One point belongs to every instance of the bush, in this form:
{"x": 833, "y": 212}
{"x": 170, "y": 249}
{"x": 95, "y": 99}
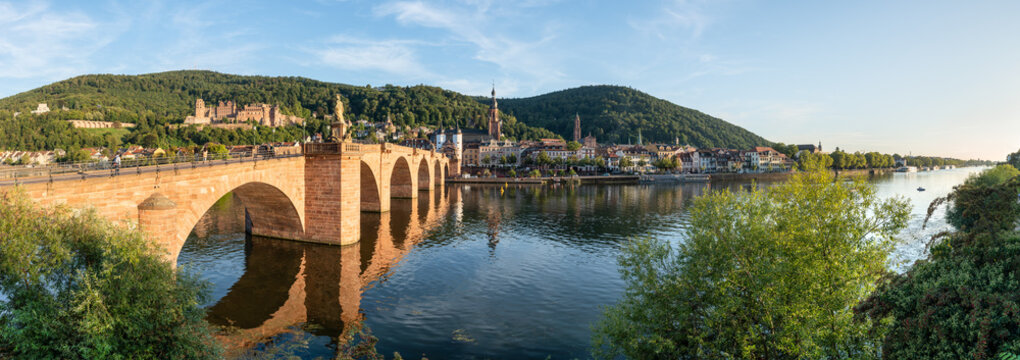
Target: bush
{"x": 535, "y": 174}
{"x": 986, "y": 202}
{"x": 512, "y": 173}
{"x": 963, "y": 303}
{"x": 964, "y": 300}
{"x": 79, "y": 287}
{"x": 768, "y": 274}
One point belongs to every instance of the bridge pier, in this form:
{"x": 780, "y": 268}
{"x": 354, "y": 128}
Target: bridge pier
{"x": 157, "y": 218}
{"x": 332, "y": 199}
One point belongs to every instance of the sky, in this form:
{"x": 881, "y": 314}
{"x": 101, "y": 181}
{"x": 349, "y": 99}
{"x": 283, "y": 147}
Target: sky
{"x": 911, "y": 77}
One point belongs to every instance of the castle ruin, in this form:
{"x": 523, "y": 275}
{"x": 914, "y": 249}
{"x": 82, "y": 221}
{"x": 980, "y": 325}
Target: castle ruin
{"x": 228, "y": 113}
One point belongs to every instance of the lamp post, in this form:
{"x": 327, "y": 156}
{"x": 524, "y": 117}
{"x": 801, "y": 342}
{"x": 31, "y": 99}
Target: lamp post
{"x": 254, "y": 141}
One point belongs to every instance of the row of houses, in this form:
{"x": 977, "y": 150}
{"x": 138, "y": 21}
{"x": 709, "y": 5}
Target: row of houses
{"x": 134, "y": 152}
{"x": 489, "y": 152}
{"x": 30, "y": 157}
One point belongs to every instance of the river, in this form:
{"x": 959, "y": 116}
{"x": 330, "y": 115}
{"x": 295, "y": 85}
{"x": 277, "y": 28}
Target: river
{"x": 468, "y": 272}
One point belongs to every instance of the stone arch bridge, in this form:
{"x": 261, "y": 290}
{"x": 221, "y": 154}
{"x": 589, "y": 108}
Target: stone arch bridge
{"x": 317, "y": 197}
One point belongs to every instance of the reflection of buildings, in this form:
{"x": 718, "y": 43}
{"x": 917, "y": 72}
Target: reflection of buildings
{"x": 287, "y": 284}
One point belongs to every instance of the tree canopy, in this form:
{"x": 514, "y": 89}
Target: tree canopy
{"x": 772, "y": 273}
{"x": 75, "y": 286}
{"x": 614, "y": 114}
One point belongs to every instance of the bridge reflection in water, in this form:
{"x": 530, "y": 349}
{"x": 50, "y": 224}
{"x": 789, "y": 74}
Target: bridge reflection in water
{"x": 287, "y": 284}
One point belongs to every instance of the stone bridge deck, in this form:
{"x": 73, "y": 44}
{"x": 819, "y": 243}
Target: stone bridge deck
{"x": 317, "y": 197}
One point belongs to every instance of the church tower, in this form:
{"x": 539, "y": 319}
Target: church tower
{"x": 495, "y": 125}
{"x": 577, "y": 127}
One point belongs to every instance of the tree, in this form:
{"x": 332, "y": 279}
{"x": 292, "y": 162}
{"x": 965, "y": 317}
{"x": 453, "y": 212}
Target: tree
{"x": 76, "y": 286}
{"x": 150, "y": 140}
{"x": 767, "y": 274}
{"x": 544, "y": 159}
{"x": 625, "y": 162}
{"x": 1014, "y": 159}
{"x": 814, "y": 162}
{"x": 512, "y": 173}
{"x": 534, "y": 174}
{"x": 573, "y": 145}
{"x": 217, "y": 149}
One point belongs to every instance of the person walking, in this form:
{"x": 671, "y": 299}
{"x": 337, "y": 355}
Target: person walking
{"x": 116, "y": 164}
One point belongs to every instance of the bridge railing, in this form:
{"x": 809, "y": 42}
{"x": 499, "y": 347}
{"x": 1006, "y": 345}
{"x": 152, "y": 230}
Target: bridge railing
{"x": 133, "y": 165}
{"x": 345, "y": 148}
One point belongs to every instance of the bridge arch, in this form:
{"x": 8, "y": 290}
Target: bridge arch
{"x": 401, "y": 181}
{"x": 370, "y": 199}
{"x": 269, "y": 211}
{"x": 424, "y": 175}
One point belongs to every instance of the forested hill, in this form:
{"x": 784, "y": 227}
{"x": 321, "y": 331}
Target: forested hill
{"x": 170, "y": 96}
{"x": 154, "y": 100}
{"x": 614, "y": 114}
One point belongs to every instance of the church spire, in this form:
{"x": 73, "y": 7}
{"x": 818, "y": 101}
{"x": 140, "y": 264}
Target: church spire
{"x": 495, "y": 125}
{"x": 494, "y": 105}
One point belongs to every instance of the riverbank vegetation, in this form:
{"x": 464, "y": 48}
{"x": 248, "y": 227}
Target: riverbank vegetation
{"x": 767, "y": 274}
{"x": 801, "y": 270}
{"x": 74, "y": 286}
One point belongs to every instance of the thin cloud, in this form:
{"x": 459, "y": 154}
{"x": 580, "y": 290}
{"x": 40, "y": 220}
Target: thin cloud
{"x": 39, "y": 42}
{"x": 676, "y": 16}
{"x": 474, "y": 24}
{"x": 357, "y": 54}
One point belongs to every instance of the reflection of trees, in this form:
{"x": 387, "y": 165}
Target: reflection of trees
{"x": 287, "y": 283}
{"x": 226, "y": 216}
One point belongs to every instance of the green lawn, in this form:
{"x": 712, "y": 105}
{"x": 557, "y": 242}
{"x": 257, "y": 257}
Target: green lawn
{"x": 119, "y": 133}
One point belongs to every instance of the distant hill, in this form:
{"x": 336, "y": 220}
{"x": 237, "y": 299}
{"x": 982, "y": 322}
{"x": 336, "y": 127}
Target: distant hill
{"x": 154, "y": 100}
{"x": 614, "y": 114}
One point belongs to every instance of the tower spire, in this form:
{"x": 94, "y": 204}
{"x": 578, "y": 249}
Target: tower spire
{"x": 495, "y": 125}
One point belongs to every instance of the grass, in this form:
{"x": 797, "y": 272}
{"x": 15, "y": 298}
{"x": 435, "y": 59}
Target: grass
{"x": 119, "y": 133}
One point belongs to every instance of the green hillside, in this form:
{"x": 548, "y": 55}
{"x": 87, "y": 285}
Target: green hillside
{"x": 614, "y": 114}
{"x": 155, "y": 100}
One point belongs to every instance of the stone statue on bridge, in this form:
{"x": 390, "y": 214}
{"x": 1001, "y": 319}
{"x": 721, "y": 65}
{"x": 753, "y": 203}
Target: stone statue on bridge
{"x": 340, "y": 126}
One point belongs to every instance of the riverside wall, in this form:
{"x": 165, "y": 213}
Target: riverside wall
{"x": 785, "y": 175}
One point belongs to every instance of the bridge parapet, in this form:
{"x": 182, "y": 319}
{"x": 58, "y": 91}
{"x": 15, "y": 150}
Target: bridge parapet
{"x": 332, "y": 149}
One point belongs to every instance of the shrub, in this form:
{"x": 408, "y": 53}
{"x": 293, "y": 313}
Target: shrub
{"x": 964, "y": 300}
{"x": 79, "y": 287}
{"x": 768, "y": 274}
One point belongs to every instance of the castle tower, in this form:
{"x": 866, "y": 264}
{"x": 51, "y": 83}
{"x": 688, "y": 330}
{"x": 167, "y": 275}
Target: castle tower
{"x": 495, "y": 125}
{"x": 199, "y": 108}
{"x": 577, "y": 127}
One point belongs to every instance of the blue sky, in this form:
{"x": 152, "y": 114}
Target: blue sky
{"x": 927, "y": 77}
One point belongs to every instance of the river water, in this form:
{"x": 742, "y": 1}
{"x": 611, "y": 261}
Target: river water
{"x": 468, "y": 272}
